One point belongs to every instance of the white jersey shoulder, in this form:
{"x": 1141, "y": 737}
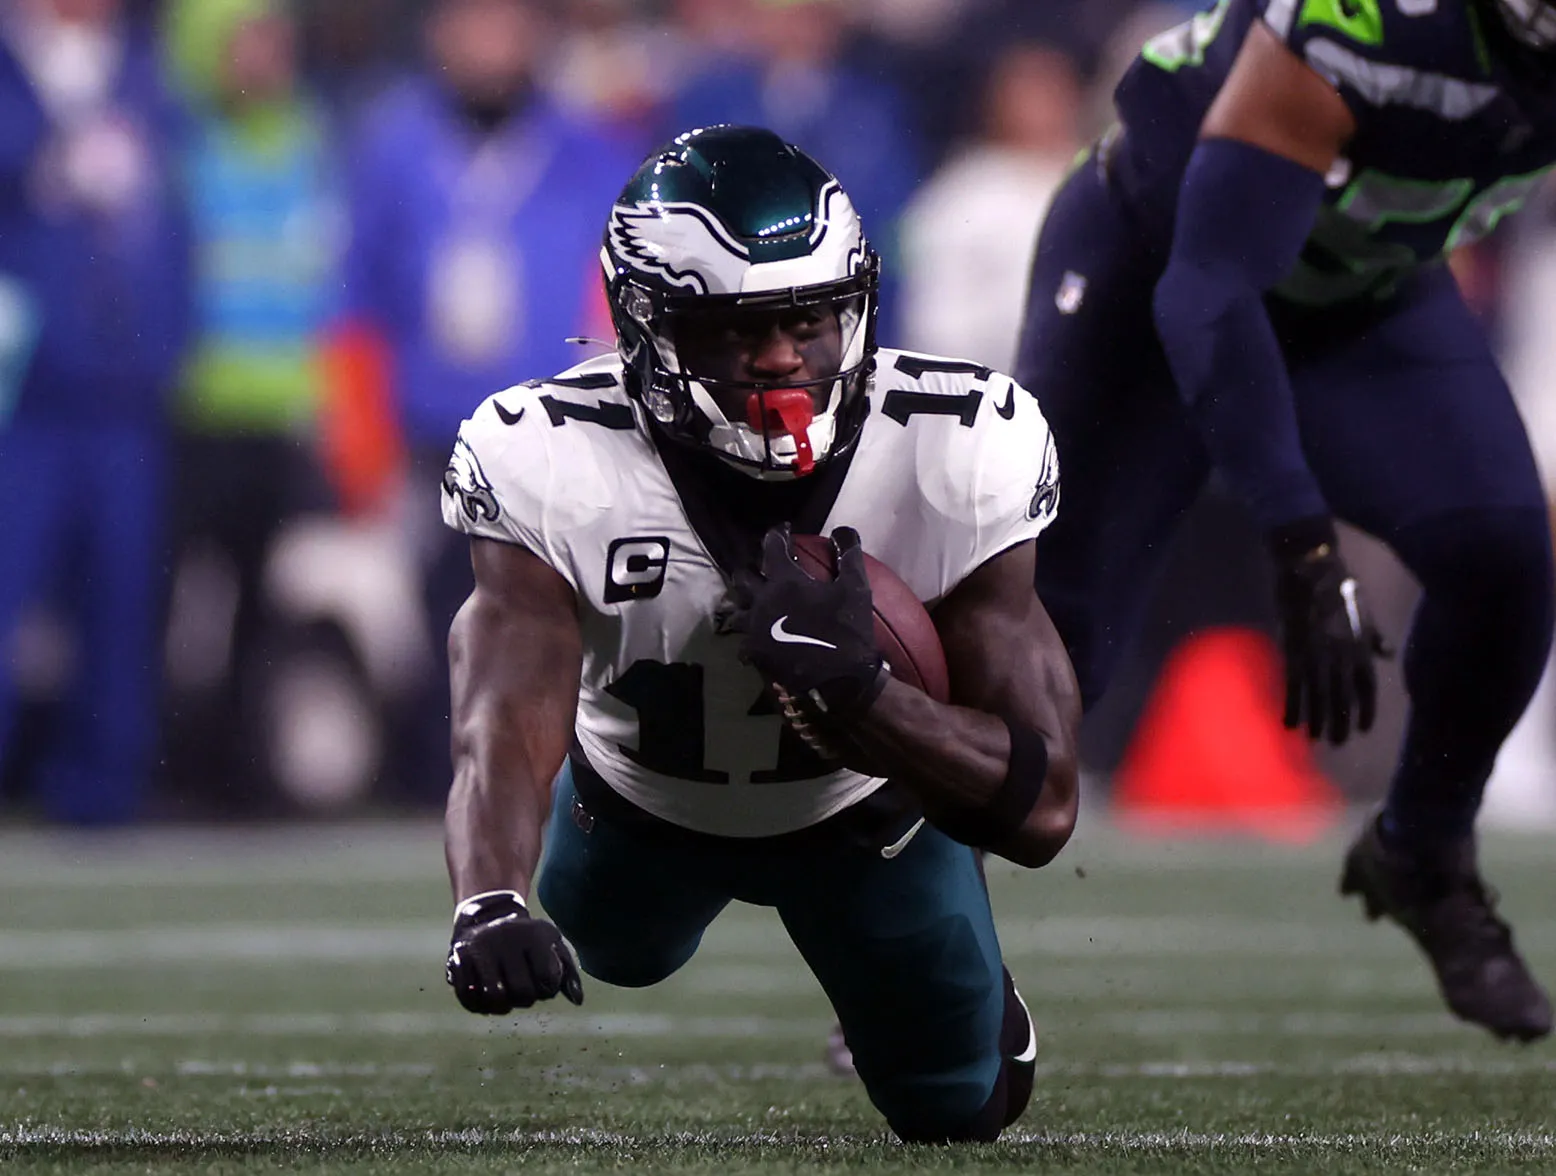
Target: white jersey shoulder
{"x": 954, "y": 464}
{"x": 543, "y": 459}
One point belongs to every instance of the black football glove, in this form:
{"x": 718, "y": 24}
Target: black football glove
{"x": 501, "y": 959}
{"x": 1328, "y": 638}
{"x": 813, "y": 639}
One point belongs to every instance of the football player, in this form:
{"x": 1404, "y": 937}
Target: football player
{"x": 1246, "y": 276}
{"x": 720, "y": 726}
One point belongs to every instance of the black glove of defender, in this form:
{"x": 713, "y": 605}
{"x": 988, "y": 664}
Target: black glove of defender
{"x": 815, "y": 639}
{"x": 501, "y": 959}
{"x": 1328, "y": 639}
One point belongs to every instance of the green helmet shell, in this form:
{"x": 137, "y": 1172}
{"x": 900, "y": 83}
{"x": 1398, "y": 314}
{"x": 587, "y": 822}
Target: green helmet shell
{"x": 734, "y": 216}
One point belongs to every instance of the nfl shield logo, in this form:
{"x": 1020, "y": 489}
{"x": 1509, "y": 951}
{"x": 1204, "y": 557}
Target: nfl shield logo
{"x": 1072, "y": 291}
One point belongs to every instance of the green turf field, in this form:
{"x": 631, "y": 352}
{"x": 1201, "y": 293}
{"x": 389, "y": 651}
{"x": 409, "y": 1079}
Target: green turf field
{"x": 234, "y": 1002}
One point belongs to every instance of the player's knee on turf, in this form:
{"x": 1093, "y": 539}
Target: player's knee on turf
{"x": 1012, "y": 1091}
{"x": 928, "y": 1113}
{"x": 948, "y": 1102}
{"x": 1012, "y": 1085}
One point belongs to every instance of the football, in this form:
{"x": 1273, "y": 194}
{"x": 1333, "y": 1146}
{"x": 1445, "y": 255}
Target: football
{"x": 904, "y": 632}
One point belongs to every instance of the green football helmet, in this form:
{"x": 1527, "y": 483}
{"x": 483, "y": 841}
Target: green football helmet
{"x": 725, "y": 222}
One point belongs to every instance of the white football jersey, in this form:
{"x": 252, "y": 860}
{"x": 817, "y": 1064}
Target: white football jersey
{"x": 954, "y": 465}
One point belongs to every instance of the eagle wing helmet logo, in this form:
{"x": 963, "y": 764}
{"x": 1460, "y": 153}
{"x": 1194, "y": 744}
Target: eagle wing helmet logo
{"x": 733, "y": 221}
{"x": 681, "y": 244}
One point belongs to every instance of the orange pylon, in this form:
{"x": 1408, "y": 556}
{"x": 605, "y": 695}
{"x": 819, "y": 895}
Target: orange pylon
{"x": 1210, "y": 754}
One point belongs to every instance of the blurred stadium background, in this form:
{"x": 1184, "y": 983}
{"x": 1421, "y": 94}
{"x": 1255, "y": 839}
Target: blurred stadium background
{"x": 256, "y": 260}
{"x": 380, "y": 211}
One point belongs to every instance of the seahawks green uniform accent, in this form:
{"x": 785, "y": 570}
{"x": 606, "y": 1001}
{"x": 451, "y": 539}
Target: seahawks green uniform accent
{"x": 1359, "y": 20}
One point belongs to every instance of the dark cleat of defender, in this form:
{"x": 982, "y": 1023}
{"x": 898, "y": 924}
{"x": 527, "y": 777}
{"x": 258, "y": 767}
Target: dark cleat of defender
{"x": 1440, "y": 900}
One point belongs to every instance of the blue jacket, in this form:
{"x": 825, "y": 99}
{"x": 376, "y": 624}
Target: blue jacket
{"x": 860, "y": 131}
{"x": 107, "y": 293}
{"x": 514, "y": 238}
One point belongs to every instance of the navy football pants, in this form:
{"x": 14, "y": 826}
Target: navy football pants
{"x": 1407, "y": 424}
{"x": 905, "y": 948}
{"x": 81, "y": 521}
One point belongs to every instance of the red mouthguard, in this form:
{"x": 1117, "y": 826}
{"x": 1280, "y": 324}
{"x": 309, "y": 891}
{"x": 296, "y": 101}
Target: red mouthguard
{"x": 785, "y": 410}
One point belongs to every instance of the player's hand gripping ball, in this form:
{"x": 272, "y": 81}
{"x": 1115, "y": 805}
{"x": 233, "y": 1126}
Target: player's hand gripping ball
{"x": 904, "y": 631}
{"x": 814, "y": 639}
{"x": 860, "y": 620}
{"x": 502, "y": 959}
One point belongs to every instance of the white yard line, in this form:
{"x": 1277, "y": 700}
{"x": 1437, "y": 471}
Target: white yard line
{"x": 718, "y": 976}
{"x": 258, "y": 943}
{"x": 610, "y": 1077}
{"x": 423, "y": 941}
{"x": 1344, "y": 936}
{"x": 352, "y": 851}
{"x": 1177, "y": 1023}
{"x": 1149, "y": 1023}
{"x": 581, "y": 1024}
{"x": 1197, "y": 1141}
{"x": 411, "y": 849}
{"x": 1522, "y": 1142}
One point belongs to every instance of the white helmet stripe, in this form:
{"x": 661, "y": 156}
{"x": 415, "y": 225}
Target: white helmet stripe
{"x": 681, "y": 243}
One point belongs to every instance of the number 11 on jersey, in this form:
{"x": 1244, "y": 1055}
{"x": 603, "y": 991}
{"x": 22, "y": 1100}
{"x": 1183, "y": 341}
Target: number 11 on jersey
{"x": 676, "y": 706}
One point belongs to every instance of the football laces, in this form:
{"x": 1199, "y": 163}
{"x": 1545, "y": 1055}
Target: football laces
{"x": 799, "y": 719}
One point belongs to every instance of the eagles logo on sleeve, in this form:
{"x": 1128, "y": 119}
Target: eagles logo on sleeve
{"x": 466, "y": 483}
{"x": 1045, "y": 502}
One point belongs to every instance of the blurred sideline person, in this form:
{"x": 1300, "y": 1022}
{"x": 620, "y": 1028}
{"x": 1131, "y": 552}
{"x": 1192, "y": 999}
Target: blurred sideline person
{"x": 611, "y": 62}
{"x": 93, "y": 293}
{"x": 795, "y": 77}
{"x": 1246, "y": 276}
{"x": 264, "y": 222}
{"x": 724, "y": 726}
{"x": 968, "y": 233}
{"x": 474, "y": 228}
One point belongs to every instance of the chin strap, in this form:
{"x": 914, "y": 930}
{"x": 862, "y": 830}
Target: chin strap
{"x": 785, "y": 410}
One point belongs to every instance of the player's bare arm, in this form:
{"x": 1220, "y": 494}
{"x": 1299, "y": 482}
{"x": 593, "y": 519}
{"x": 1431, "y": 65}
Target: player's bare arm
{"x": 1007, "y": 667}
{"x": 515, "y": 651}
{"x": 1274, "y": 100}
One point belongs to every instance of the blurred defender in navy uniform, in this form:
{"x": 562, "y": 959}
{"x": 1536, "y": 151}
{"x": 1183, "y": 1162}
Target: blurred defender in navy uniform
{"x": 640, "y": 624}
{"x": 1246, "y": 276}
{"x": 92, "y": 316}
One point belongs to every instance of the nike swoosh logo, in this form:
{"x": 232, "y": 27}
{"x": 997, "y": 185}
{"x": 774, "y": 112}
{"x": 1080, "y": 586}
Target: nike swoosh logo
{"x": 890, "y": 851}
{"x": 1008, "y": 409}
{"x": 508, "y": 418}
{"x": 780, "y": 634}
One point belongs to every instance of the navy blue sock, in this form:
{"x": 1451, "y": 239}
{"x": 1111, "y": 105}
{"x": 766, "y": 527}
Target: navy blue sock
{"x": 1475, "y": 654}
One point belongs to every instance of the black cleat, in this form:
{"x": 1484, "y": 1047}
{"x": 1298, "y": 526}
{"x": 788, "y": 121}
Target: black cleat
{"x": 1440, "y": 900}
